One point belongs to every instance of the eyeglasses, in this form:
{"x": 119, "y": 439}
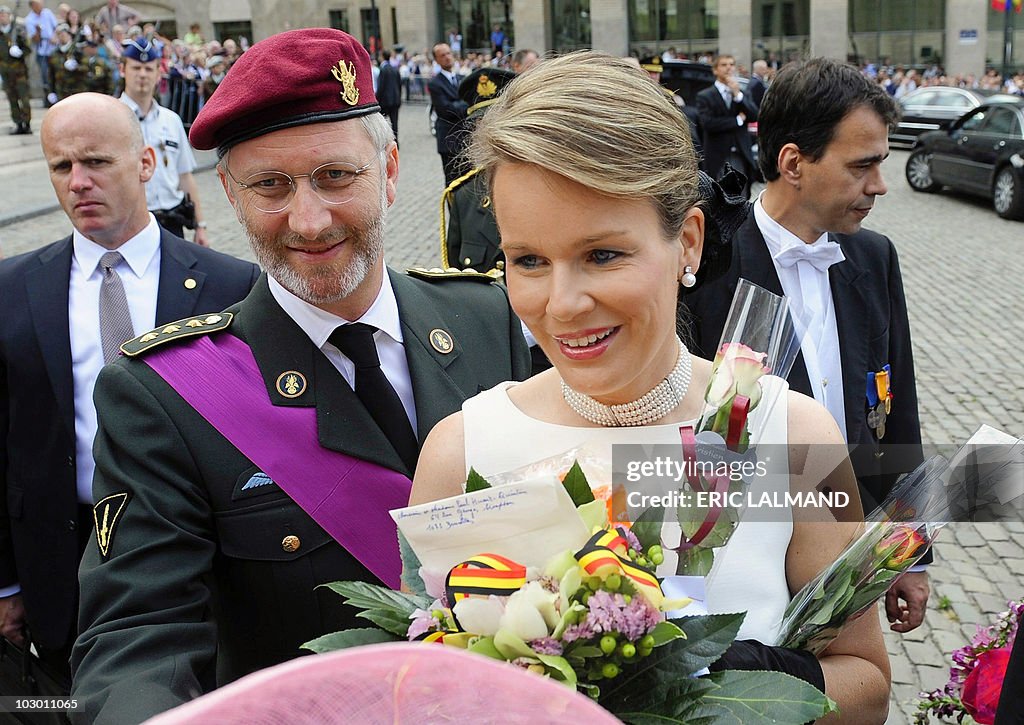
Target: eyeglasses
{"x": 273, "y": 191}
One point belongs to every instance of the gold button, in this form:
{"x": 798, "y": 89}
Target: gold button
{"x": 190, "y": 283}
{"x": 290, "y": 543}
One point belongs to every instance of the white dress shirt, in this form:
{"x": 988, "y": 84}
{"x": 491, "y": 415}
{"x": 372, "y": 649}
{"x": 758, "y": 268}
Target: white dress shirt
{"x": 162, "y": 129}
{"x": 726, "y": 93}
{"x": 383, "y": 314}
{"x": 140, "y": 275}
{"x": 813, "y": 312}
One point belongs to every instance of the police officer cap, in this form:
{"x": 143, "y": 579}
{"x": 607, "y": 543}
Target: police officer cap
{"x": 483, "y": 86}
{"x": 313, "y": 75}
{"x": 141, "y": 49}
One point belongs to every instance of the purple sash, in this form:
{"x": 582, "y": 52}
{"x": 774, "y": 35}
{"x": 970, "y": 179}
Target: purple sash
{"x": 350, "y": 498}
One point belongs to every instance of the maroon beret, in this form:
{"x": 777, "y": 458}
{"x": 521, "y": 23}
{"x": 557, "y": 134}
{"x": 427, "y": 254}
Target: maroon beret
{"x": 289, "y": 79}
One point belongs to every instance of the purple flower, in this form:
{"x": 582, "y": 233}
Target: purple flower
{"x": 638, "y": 619}
{"x": 422, "y": 622}
{"x": 546, "y": 646}
{"x": 584, "y": 630}
{"x": 605, "y": 611}
{"x": 631, "y": 540}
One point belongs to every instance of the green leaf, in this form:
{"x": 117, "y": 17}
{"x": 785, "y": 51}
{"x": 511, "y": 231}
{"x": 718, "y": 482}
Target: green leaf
{"x": 511, "y": 646}
{"x": 562, "y": 669}
{"x": 373, "y": 596}
{"x": 410, "y": 569}
{"x": 670, "y": 666}
{"x": 669, "y": 701}
{"x": 591, "y": 691}
{"x": 763, "y": 697}
{"x": 695, "y": 562}
{"x": 348, "y": 638}
{"x": 647, "y": 528}
{"x": 388, "y": 619}
{"x": 586, "y": 650}
{"x": 475, "y": 482}
{"x": 665, "y": 632}
{"x": 575, "y": 483}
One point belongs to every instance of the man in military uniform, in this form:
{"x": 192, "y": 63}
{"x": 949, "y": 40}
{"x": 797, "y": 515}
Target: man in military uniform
{"x": 246, "y": 457}
{"x": 66, "y": 68}
{"x": 98, "y": 74}
{"x": 13, "y": 49}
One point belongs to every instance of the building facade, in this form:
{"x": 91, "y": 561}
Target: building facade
{"x": 964, "y": 36}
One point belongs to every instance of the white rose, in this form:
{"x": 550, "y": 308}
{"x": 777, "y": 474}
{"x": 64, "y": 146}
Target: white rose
{"x": 530, "y": 613}
{"x": 480, "y": 616}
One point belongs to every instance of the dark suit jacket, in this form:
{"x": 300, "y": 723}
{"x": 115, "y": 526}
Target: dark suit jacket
{"x": 756, "y": 89}
{"x": 721, "y": 132}
{"x": 197, "y": 590}
{"x": 871, "y": 316}
{"x": 451, "y": 112}
{"x": 38, "y": 501}
{"x": 389, "y": 86}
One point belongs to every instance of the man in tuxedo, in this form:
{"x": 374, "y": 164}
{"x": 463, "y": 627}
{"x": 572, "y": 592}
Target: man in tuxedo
{"x": 823, "y": 133}
{"x": 273, "y": 470}
{"x": 725, "y": 112}
{"x": 451, "y": 112}
{"x": 56, "y": 334}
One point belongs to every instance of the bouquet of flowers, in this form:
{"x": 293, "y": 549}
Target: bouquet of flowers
{"x": 897, "y": 535}
{"x": 758, "y": 339}
{"x": 976, "y": 676}
{"x": 592, "y": 616}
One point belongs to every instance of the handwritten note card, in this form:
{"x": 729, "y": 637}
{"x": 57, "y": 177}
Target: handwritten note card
{"x": 528, "y": 522}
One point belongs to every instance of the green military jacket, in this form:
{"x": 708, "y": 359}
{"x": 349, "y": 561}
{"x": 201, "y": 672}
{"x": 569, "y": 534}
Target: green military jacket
{"x": 14, "y": 36}
{"x": 68, "y": 82}
{"x": 190, "y": 582}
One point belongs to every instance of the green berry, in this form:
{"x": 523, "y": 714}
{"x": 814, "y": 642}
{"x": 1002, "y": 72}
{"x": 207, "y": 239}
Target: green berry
{"x": 586, "y": 598}
{"x": 608, "y": 644}
{"x": 610, "y": 670}
{"x": 613, "y": 582}
{"x": 655, "y": 550}
{"x": 437, "y": 614}
{"x": 628, "y": 650}
{"x": 627, "y": 598}
{"x": 644, "y": 651}
{"x": 633, "y": 555}
{"x": 594, "y": 583}
{"x": 646, "y": 642}
{"x": 657, "y": 557}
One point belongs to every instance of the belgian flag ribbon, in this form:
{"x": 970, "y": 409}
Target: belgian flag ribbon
{"x": 606, "y": 553}
{"x": 483, "y": 575}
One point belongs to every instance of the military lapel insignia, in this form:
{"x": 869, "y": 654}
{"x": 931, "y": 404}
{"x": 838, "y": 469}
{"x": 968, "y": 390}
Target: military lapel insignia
{"x": 291, "y": 384}
{"x": 878, "y": 391}
{"x": 441, "y": 341}
{"x": 345, "y": 74}
{"x": 257, "y": 480}
{"x": 188, "y": 327}
{"x": 106, "y": 514}
{"x": 190, "y": 283}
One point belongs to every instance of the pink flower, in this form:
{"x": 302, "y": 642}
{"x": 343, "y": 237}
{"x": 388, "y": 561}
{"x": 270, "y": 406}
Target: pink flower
{"x": 900, "y": 546}
{"x": 982, "y": 687}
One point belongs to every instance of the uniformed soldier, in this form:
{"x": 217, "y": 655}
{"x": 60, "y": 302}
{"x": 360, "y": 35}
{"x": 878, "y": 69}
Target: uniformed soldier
{"x": 246, "y": 457}
{"x": 13, "y": 50}
{"x": 470, "y": 238}
{"x": 99, "y": 76}
{"x": 66, "y": 67}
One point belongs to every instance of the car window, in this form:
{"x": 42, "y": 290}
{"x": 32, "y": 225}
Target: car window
{"x": 951, "y": 98}
{"x": 1000, "y": 121}
{"x": 928, "y": 98}
{"x": 974, "y": 121}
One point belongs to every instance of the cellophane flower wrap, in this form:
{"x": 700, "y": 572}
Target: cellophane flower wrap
{"x": 976, "y": 675}
{"x": 593, "y": 618}
{"x": 896, "y": 535}
{"x": 758, "y": 340}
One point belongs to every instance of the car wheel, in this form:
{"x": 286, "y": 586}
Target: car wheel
{"x": 919, "y": 172}
{"x": 1008, "y": 195}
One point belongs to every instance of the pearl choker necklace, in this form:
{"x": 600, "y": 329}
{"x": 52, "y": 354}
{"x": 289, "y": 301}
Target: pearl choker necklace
{"x": 652, "y": 406}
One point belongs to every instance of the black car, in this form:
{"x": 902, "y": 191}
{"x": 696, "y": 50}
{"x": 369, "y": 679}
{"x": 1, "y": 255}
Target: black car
{"x": 933, "y": 108}
{"x": 982, "y": 154}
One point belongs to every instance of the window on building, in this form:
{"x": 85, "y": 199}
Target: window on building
{"x": 338, "y": 19}
{"x": 897, "y": 32}
{"x": 781, "y": 30}
{"x": 234, "y": 29}
{"x": 689, "y": 26}
{"x": 570, "y": 21}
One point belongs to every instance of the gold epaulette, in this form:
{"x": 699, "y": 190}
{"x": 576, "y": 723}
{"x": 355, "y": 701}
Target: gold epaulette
{"x": 436, "y": 273}
{"x": 189, "y": 327}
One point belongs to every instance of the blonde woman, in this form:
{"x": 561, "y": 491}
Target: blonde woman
{"x": 594, "y": 185}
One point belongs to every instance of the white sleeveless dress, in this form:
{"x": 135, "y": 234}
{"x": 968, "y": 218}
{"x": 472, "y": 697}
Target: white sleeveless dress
{"x": 749, "y": 574}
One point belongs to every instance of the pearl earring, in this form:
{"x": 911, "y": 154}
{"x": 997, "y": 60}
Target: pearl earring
{"x": 689, "y": 279}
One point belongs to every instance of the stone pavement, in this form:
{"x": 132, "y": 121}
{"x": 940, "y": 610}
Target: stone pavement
{"x": 962, "y": 270}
